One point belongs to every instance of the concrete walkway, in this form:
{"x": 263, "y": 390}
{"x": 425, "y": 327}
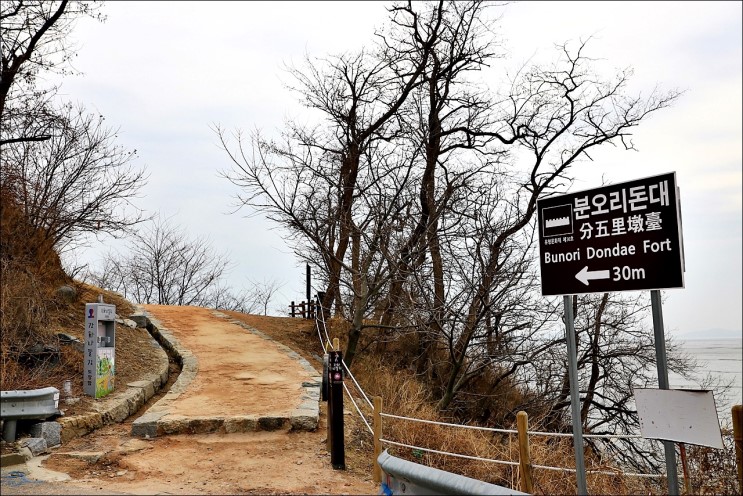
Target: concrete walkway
{"x": 234, "y": 378}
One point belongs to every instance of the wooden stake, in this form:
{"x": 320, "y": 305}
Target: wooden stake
{"x": 738, "y": 440}
{"x": 522, "y": 425}
{"x": 685, "y": 466}
{"x": 377, "y": 436}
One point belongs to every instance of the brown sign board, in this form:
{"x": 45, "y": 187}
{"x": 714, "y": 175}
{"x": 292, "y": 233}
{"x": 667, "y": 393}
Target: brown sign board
{"x": 621, "y": 237}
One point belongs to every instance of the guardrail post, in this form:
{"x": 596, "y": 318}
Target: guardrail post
{"x": 377, "y": 427}
{"x": 738, "y": 440}
{"x": 35, "y": 404}
{"x": 522, "y": 425}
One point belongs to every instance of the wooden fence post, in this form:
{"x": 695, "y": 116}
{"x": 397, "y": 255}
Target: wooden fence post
{"x": 292, "y": 307}
{"x": 738, "y": 441}
{"x": 522, "y": 425}
{"x": 685, "y": 466}
{"x": 377, "y": 436}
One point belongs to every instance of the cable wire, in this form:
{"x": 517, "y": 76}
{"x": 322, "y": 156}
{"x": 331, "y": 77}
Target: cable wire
{"x": 450, "y": 454}
{"x": 371, "y": 431}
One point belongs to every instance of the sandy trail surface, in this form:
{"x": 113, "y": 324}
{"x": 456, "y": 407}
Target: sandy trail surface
{"x": 239, "y": 372}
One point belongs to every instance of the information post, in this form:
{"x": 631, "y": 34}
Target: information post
{"x": 100, "y": 349}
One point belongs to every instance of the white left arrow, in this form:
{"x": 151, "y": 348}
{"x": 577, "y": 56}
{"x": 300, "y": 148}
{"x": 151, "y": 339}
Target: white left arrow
{"x": 586, "y": 275}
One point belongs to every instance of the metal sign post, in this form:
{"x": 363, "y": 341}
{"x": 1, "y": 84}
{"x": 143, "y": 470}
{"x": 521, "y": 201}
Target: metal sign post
{"x": 660, "y": 359}
{"x": 580, "y": 464}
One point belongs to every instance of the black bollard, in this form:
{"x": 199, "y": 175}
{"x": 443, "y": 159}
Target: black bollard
{"x": 335, "y": 405}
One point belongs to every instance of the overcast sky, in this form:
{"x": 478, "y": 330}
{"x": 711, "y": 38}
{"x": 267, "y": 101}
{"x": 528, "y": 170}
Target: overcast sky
{"x": 165, "y": 73}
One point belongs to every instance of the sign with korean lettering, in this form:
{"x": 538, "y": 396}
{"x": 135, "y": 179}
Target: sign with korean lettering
{"x": 99, "y": 351}
{"x": 335, "y": 367}
{"x": 622, "y": 237}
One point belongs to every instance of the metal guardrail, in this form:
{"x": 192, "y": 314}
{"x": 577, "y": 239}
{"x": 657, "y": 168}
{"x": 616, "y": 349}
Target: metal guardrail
{"x": 403, "y": 477}
{"x": 26, "y": 404}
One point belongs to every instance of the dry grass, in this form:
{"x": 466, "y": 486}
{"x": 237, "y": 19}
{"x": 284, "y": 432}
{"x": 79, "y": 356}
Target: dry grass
{"x": 406, "y": 395}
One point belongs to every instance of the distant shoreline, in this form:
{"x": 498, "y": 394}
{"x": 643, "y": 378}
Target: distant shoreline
{"x": 712, "y": 334}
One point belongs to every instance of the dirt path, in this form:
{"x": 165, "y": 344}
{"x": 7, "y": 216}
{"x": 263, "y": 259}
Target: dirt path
{"x": 239, "y": 373}
{"x": 255, "y": 463}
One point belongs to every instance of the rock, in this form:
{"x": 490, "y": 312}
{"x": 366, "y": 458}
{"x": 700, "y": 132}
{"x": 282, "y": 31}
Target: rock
{"x": 140, "y": 319}
{"x": 12, "y": 459}
{"x": 25, "y": 453}
{"x": 91, "y": 457}
{"x": 127, "y": 322}
{"x": 37, "y": 445}
{"x": 146, "y": 386}
{"x": 134, "y": 445}
{"x": 239, "y": 424}
{"x": 304, "y": 422}
{"x": 271, "y": 423}
{"x": 67, "y": 340}
{"x": 49, "y": 431}
{"x": 67, "y": 293}
{"x": 80, "y": 425}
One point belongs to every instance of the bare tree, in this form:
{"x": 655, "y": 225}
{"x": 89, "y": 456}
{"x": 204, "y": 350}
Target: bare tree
{"x": 254, "y": 299}
{"x": 418, "y": 188}
{"x": 164, "y": 266}
{"x": 358, "y": 96}
{"x": 615, "y": 354}
{"x": 34, "y": 38}
{"x": 78, "y": 181}
{"x": 60, "y": 165}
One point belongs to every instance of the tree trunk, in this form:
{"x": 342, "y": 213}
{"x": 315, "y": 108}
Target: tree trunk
{"x": 591, "y": 389}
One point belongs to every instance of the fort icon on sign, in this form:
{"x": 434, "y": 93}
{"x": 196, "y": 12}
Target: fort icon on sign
{"x": 558, "y": 220}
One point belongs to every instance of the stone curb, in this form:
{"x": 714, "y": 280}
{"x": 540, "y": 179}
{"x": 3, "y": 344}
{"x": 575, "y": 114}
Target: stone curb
{"x": 151, "y": 423}
{"x": 120, "y": 405}
{"x": 158, "y": 421}
{"x": 15, "y": 458}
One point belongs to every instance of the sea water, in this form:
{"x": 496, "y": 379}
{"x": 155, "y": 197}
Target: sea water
{"x": 723, "y": 360}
